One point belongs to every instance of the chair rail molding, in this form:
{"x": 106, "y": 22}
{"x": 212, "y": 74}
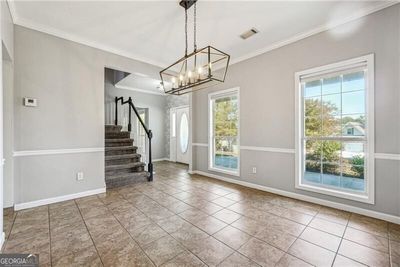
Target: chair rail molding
{"x": 25, "y": 153}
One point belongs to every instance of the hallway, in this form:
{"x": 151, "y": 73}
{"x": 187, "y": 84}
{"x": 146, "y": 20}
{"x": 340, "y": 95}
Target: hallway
{"x": 190, "y": 220}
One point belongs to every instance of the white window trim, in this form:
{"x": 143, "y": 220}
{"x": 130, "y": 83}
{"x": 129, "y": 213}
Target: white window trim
{"x": 369, "y": 195}
{"x": 211, "y": 96}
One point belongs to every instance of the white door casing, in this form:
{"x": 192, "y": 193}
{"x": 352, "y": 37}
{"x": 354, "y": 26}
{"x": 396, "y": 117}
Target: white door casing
{"x": 172, "y": 135}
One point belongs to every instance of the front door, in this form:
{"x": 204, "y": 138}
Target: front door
{"x": 179, "y": 143}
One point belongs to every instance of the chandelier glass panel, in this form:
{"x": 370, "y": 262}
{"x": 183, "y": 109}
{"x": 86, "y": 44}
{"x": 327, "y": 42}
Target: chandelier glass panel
{"x": 200, "y": 69}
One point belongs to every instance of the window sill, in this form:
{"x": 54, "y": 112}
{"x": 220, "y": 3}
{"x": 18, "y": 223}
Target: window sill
{"x": 362, "y": 197}
{"x": 233, "y": 173}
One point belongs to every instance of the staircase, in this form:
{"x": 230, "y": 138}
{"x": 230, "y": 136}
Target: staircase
{"x": 122, "y": 163}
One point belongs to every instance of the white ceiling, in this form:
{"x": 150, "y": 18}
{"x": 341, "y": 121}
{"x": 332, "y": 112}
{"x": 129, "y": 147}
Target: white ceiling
{"x": 152, "y": 31}
{"x": 140, "y": 83}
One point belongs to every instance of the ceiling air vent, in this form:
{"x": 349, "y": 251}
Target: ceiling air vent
{"x": 249, "y": 33}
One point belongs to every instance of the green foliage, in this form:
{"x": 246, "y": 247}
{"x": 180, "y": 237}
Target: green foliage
{"x": 330, "y": 151}
{"x": 226, "y": 124}
{"x": 358, "y": 165}
{"x": 315, "y": 109}
{"x": 226, "y": 117}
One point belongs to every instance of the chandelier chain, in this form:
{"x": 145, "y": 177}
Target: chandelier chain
{"x": 186, "y": 34}
{"x": 194, "y": 29}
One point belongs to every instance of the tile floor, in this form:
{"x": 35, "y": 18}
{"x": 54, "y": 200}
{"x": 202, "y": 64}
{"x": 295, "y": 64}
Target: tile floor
{"x": 183, "y": 220}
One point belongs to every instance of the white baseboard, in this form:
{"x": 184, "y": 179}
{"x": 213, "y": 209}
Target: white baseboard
{"x": 161, "y": 159}
{"x": 2, "y": 239}
{"x": 41, "y": 202}
{"x": 370, "y": 213}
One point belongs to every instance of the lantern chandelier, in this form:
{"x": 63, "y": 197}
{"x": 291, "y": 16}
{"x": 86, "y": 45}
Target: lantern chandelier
{"x": 200, "y": 69}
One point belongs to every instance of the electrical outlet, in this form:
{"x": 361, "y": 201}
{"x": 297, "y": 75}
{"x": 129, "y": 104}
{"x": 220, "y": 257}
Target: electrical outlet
{"x": 79, "y": 176}
{"x": 254, "y": 169}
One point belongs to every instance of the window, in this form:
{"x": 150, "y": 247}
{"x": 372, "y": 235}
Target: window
{"x": 334, "y": 129}
{"x": 350, "y": 131}
{"x": 224, "y": 131}
{"x": 184, "y": 133}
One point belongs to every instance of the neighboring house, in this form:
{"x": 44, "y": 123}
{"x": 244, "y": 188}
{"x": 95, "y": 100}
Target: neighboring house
{"x": 353, "y": 128}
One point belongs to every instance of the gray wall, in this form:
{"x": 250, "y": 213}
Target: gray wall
{"x": 155, "y": 104}
{"x": 267, "y": 112}
{"x": 68, "y": 80}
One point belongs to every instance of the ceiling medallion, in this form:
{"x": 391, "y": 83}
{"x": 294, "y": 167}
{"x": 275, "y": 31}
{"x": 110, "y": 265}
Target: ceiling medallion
{"x": 202, "y": 68}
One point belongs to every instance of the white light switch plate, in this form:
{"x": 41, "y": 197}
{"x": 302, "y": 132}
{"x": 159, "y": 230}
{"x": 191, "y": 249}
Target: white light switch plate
{"x": 30, "y": 102}
{"x": 79, "y": 176}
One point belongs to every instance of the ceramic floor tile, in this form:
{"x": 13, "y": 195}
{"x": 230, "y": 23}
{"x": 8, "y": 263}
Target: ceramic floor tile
{"x": 248, "y": 225}
{"x": 395, "y": 253}
{"x": 70, "y": 244}
{"x": 210, "y": 225}
{"x": 328, "y": 226}
{"x": 341, "y": 261}
{"x": 127, "y": 255}
{"x": 163, "y": 250}
{"x": 321, "y": 239}
{"x": 261, "y": 252}
{"x": 334, "y": 215}
{"x": 363, "y": 254}
{"x": 238, "y": 260}
{"x": 189, "y": 236}
{"x": 193, "y": 215}
{"x": 232, "y": 237}
{"x": 235, "y": 196}
{"x": 276, "y": 238}
{"x": 211, "y": 251}
{"x": 210, "y": 208}
{"x": 186, "y": 259}
{"x": 298, "y": 217}
{"x": 394, "y": 232}
{"x": 148, "y": 234}
{"x": 367, "y": 239}
{"x": 172, "y": 219}
{"x": 173, "y": 224}
{"x": 311, "y": 253}
{"x": 224, "y": 202}
{"x": 286, "y": 226}
{"x": 227, "y": 216}
{"x": 85, "y": 257}
{"x": 289, "y": 261}
{"x": 368, "y": 224}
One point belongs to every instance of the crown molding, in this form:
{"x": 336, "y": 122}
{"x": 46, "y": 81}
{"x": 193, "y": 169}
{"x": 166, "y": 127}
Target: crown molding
{"x": 325, "y": 27}
{"x": 139, "y": 90}
{"x": 71, "y": 37}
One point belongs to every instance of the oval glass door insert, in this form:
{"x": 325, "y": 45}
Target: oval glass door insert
{"x": 184, "y": 133}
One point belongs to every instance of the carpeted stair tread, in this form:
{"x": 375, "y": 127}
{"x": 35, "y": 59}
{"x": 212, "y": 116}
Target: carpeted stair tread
{"x": 113, "y": 148}
{"x": 124, "y": 156}
{"x": 117, "y": 140}
{"x": 117, "y": 135}
{"x": 125, "y": 166}
{"x": 113, "y": 128}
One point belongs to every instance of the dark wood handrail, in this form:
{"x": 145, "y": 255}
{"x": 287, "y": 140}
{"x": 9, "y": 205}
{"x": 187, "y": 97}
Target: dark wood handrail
{"x": 149, "y": 133}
